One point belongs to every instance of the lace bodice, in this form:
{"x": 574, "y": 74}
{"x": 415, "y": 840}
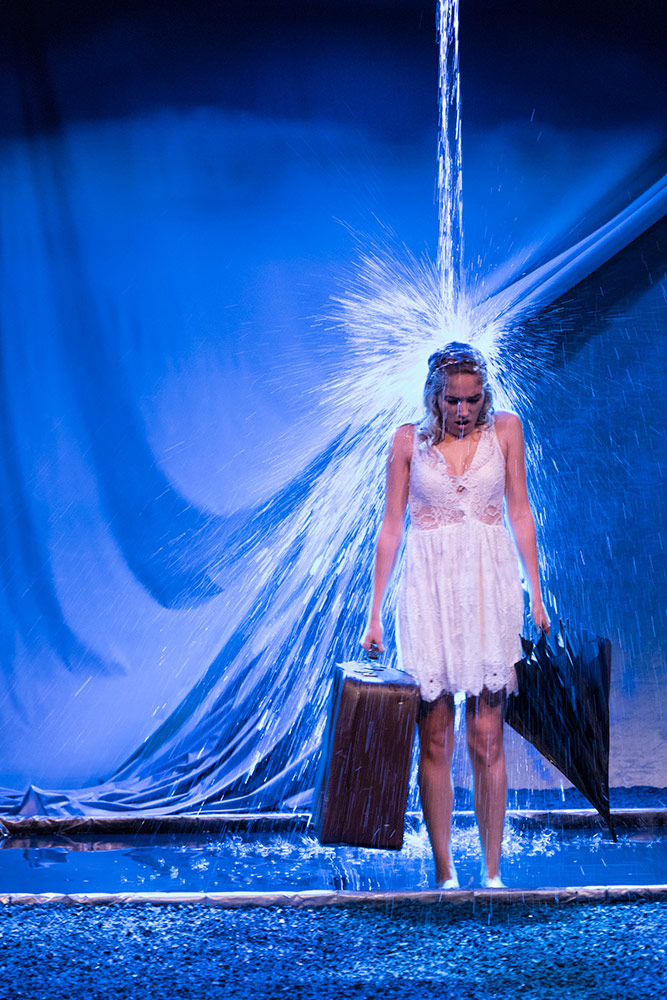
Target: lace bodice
{"x": 438, "y": 498}
{"x": 460, "y": 607}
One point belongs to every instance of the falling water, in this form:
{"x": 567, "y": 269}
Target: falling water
{"x": 450, "y": 187}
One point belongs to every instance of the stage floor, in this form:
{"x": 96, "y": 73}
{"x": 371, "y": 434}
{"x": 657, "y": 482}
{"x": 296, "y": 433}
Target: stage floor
{"x": 256, "y": 907}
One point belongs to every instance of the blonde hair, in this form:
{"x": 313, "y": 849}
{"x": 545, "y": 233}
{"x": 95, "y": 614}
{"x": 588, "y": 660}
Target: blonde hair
{"x": 452, "y": 359}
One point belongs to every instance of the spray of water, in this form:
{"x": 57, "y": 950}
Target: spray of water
{"x": 397, "y": 309}
{"x": 303, "y": 605}
{"x": 296, "y": 575}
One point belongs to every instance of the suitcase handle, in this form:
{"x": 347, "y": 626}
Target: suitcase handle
{"x": 372, "y": 661}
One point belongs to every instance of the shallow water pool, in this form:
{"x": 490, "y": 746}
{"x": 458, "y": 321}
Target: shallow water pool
{"x": 263, "y": 862}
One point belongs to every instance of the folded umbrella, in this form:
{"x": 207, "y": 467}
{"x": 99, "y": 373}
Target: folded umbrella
{"x": 562, "y": 708}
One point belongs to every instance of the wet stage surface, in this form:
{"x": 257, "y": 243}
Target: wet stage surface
{"x": 479, "y": 946}
{"x": 265, "y": 861}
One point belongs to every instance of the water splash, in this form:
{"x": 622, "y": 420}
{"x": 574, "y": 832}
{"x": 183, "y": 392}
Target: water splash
{"x": 300, "y": 579}
{"x": 271, "y": 861}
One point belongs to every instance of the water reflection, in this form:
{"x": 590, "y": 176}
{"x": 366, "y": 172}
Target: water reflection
{"x": 534, "y": 858}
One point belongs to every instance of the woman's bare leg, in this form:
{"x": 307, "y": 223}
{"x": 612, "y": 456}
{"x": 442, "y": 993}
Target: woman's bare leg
{"x": 436, "y": 746}
{"x": 484, "y": 727}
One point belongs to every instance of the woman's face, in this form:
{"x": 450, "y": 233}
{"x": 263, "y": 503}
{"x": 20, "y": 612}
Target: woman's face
{"x": 462, "y": 401}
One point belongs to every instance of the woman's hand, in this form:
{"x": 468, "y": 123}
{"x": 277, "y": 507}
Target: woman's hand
{"x": 373, "y": 636}
{"x": 540, "y": 617}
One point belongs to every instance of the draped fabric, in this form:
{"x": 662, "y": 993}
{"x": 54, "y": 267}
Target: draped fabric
{"x": 189, "y": 484}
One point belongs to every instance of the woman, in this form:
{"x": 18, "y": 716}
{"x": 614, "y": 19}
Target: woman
{"x": 461, "y": 603}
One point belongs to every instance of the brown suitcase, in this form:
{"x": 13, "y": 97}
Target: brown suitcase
{"x": 362, "y": 790}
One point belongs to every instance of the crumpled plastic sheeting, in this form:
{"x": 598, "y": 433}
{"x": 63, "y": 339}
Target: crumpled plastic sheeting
{"x": 159, "y": 590}
{"x": 173, "y": 596}
{"x": 242, "y": 725}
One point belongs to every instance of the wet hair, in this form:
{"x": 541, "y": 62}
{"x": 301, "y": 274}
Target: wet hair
{"x": 452, "y": 359}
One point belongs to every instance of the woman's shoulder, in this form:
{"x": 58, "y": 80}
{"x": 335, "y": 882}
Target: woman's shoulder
{"x": 509, "y": 430}
{"x": 403, "y": 439}
{"x": 507, "y": 422}
{"x": 506, "y": 417}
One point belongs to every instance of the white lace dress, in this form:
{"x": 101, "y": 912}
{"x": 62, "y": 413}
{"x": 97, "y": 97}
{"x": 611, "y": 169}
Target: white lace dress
{"x": 460, "y": 609}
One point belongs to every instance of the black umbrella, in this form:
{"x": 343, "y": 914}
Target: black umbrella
{"x": 562, "y": 708}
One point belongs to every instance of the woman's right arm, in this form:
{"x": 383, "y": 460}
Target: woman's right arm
{"x": 391, "y": 532}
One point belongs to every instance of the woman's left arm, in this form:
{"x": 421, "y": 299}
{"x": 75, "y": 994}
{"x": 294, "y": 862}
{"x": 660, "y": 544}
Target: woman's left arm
{"x": 520, "y": 515}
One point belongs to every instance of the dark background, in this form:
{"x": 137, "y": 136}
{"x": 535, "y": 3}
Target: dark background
{"x": 586, "y": 63}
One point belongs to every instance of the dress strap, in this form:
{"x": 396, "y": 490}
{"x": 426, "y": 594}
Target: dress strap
{"x": 493, "y": 434}
{"x": 415, "y": 439}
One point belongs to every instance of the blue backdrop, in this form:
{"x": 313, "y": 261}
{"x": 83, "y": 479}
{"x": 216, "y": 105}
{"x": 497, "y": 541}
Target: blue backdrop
{"x": 192, "y": 440}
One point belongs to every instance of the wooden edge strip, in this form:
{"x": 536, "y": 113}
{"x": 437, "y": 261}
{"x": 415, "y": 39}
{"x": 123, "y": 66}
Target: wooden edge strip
{"x": 316, "y": 898}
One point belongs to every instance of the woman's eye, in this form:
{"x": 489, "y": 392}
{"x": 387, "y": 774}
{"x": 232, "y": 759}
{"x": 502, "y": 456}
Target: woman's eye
{"x": 471, "y": 400}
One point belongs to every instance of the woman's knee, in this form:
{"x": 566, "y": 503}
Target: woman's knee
{"x": 436, "y": 729}
{"x": 436, "y": 745}
{"x": 485, "y": 742}
{"x": 484, "y": 727}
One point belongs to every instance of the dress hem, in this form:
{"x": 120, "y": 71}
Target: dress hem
{"x": 509, "y": 690}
